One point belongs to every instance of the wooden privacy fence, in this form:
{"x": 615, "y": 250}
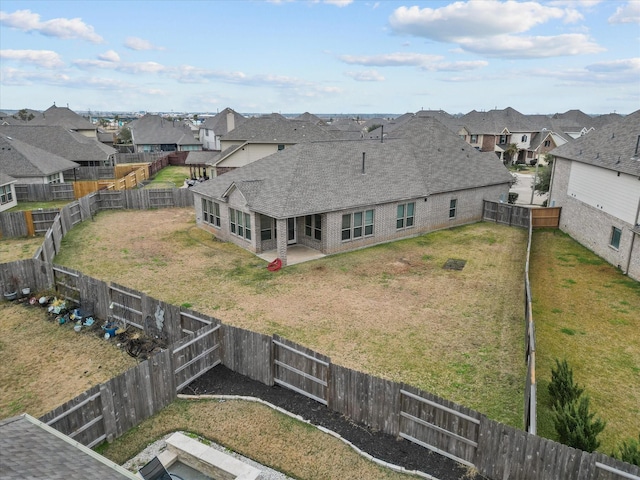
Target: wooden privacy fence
{"x": 44, "y": 192}
{"x": 515, "y": 215}
{"x": 530, "y": 391}
{"x": 496, "y": 450}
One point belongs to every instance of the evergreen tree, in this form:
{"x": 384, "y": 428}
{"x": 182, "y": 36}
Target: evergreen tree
{"x": 576, "y": 426}
{"x": 562, "y": 389}
{"x": 629, "y": 452}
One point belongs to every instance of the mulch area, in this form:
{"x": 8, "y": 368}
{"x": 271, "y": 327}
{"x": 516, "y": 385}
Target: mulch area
{"x": 222, "y": 381}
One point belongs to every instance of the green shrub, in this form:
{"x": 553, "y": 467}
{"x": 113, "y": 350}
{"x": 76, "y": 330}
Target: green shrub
{"x": 629, "y": 452}
{"x": 576, "y": 426}
{"x": 562, "y": 389}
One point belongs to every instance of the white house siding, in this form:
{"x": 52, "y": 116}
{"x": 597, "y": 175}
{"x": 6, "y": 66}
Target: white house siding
{"x": 605, "y": 190}
{"x": 247, "y": 154}
{"x": 589, "y": 225}
{"x": 209, "y": 139}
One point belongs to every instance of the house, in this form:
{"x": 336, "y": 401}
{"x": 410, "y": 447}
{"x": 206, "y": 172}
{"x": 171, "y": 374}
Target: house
{"x": 76, "y": 147}
{"x": 29, "y": 164}
{"x": 8, "y": 197}
{"x": 64, "y": 117}
{"x": 596, "y": 181}
{"x": 258, "y": 137}
{"x": 215, "y": 127}
{"x": 340, "y": 195}
{"x": 31, "y": 449}
{"x": 496, "y": 130}
{"x": 153, "y": 133}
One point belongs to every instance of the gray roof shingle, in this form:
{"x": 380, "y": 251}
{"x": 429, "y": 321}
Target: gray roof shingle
{"x": 614, "y": 146}
{"x": 62, "y": 117}
{"x": 31, "y": 451}
{"x": 155, "y": 130}
{"x": 20, "y": 159}
{"x": 320, "y": 177}
{"x": 277, "y": 129}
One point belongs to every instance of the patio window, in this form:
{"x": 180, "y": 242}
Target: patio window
{"x": 404, "y": 216}
{"x": 474, "y": 138}
{"x": 453, "y": 207}
{"x": 313, "y": 226}
{"x": 616, "y": 234}
{"x": 5, "y": 194}
{"x": 266, "y": 228}
{"x": 55, "y": 178}
{"x": 210, "y": 212}
{"x": 357, "y": 225}
{"x": 240, "y": 223}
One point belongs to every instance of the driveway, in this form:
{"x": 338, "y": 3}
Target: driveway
{"x": 524, "y": 187}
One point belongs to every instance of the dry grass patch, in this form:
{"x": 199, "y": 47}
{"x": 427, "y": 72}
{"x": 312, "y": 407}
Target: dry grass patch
{"x": 12, "y": 249}
{"x": 586, "y": 311}
{"x": 271, "y": 438}
{"x": 44, "y": 364}
{"x": 389, "y": 310}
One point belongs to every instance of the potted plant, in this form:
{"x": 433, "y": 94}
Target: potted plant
{"x": 11, "y": 290}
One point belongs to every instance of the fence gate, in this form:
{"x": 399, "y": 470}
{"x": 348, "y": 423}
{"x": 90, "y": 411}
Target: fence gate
{"x": 439, "y": 426}
{"x": 196, "y": 355}
{"x": 301, "y": 370}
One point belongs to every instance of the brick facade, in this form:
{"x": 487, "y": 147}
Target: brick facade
{"x": 592, "y": 227}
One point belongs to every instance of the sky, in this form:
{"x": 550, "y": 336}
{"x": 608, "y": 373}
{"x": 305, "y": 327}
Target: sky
{"x": 321, "y": 56}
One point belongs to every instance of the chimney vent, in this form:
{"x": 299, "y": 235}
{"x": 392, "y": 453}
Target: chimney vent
{"x": 363, "y": 170}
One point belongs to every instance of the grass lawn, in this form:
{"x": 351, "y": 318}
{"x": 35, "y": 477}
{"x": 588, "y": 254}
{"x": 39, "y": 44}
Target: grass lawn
{"x": 19, "y": 248}
{"x": 389, "y": 310}
{"x": 271, "y": 438}
{"x": 586, "y": 311}
{"x": 22, "y": 206}
{"x": 169, "y": 177}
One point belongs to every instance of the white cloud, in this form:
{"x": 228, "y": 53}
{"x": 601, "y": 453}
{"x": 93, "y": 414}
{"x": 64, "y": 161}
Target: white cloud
{"x": 492, "y": 28}
{"x": 109, "y": 56}
{"x": 509, "y": 46}
{"x": 135, "y": 43}
{"x": 391, "y": 59}
{"x": 460, "y": 66}
{"x": 338, "y": 3}
{"x": 64, "y": 28}
{"x": 13, "y": 76}
{"x": 366, "y": 76}
{"x": 622, "y": 71}
{"x": 629, "y": 13}
{"x": 40, "y": 58}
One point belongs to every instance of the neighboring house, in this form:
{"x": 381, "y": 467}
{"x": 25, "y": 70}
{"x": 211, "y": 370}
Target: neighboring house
{"x": 8, "y": 197}
{"x": 33, "y": 450}
{"x": 259, "y": 137}
{"x": 153, "y": 133}
{"x": 596, "y": 181}
{"x": 336, "y": 196}
{"x": 496, "y": 130}
{"x": 83, "y": 150}
{"x": 215, "y": 127}
{"x": 64, "y": 117}
{"x": 29, "y": 164}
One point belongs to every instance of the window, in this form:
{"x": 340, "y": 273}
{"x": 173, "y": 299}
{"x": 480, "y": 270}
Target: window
{"x": 5, "y": 194}
{"x": 280, "y": 147}
{"x": 503, "y": 139}
{"x": 210, "y": 212}
{"x": 357, "y": 224}
{"x": 524, "y": 138}
{"x": 474, "y": 138}
{"x": 616, "y": 233}
{"x": 547, "y": 143}
{"x": 313, "y": 226}
{"x": 240, "y": 223}
{"x": 266, "y": 228}
{"x": 453, "y": 205}
{"x": 404, "y": 217}
{"x": 55, "y": 178}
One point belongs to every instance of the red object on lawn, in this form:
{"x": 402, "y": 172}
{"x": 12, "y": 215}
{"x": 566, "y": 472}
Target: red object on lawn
{"x": 275, "y": 265}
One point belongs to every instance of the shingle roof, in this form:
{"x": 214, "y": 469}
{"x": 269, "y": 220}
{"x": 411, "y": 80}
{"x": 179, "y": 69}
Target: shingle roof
{"x": 6, "y": 179}
{"x": 62, "y": 117}
{"x": 327, "y": 176}
{"x": 31, "y": 450}
{"x": 218, "y": 123}
{"x": 614, "y": 146}
{"x": 20, "y": 159}
{"x": 155, "y": 130}
{"x": 495, "y": 121}
{"x": 277, "y": 129}
{"x": 201, "y": 157}
{"x": 60, "y": 141}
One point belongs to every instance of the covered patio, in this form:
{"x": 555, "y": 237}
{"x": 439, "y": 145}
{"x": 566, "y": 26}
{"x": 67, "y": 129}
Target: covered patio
{"x": 295, "y": 254}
